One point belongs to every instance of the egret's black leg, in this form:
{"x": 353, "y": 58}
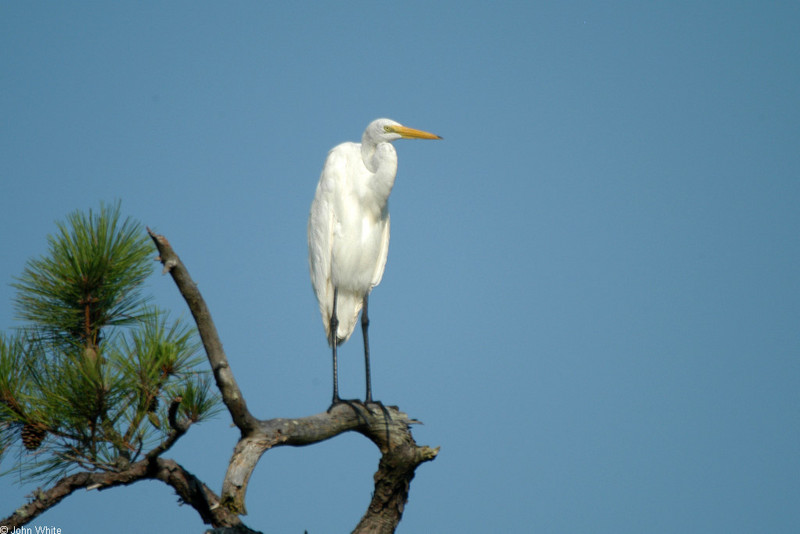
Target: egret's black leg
{"x": 364, "y": 329}
{"x": 368, "y": 401}
{"x": 334, "y": 327}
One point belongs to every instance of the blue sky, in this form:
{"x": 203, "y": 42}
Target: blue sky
{"x": 592, "y": 296}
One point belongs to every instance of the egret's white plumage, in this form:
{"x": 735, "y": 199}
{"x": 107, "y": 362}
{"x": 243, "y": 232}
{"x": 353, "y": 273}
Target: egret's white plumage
{"x": 348, "y": 228}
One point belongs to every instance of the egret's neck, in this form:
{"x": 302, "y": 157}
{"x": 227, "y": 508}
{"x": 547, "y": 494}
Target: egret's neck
{"x": 381, "y": 160}
{"x": 368, "y": 154}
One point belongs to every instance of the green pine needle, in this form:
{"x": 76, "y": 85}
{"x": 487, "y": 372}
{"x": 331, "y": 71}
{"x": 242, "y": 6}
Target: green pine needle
{"x": 101, "y": 392}
{"x": 90, "y": 279}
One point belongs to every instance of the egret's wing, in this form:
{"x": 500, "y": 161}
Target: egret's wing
{"x": 321, "y": 226}
{"x": 384, "y": 252}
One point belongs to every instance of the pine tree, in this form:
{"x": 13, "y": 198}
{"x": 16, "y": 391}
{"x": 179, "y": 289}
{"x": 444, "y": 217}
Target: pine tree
{"x": 82, "y": 382}
{"x": 98, "y": 384}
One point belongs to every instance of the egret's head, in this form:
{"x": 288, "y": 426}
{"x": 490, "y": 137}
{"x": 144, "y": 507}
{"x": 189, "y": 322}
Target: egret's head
{"x": 387, "y": 130}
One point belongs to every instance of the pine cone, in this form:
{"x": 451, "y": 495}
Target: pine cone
{"x": 32, "y": 435}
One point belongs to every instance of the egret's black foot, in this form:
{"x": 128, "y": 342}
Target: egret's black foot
{"x": 386, "y": 415}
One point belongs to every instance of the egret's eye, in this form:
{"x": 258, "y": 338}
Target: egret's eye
{"x": 387, "y": 129}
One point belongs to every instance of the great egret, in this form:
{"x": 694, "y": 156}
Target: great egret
{"x": 348, "y": 231}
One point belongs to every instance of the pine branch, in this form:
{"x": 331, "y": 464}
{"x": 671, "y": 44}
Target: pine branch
{"x": 179, "y": 428}
{"x": 90, "y": 279}
{"x": 73, "y": 385}
{"x": 191, "y": 490}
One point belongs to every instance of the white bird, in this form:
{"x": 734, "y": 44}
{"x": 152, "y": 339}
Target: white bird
{"x": 348, "y": 231}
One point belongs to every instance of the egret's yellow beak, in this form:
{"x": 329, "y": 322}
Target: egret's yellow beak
{"x": 411, "y": 133}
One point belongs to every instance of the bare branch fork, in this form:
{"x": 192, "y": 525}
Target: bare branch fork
{"x": 389, "y": 428}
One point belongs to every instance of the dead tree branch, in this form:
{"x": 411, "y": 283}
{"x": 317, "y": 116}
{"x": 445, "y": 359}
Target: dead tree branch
{"x": 229, "y": 389}
{"x": 387, "y": 427}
